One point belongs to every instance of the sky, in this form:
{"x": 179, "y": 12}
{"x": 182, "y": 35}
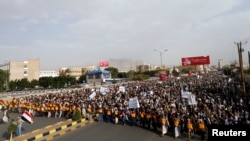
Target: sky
{"x": 63, "y": 33}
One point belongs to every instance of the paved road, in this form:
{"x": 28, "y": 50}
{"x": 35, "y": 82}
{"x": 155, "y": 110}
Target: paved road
{"x": 39, "y": 122}
{"x": 95, "y": 131}
{"x": 111, "y": 132}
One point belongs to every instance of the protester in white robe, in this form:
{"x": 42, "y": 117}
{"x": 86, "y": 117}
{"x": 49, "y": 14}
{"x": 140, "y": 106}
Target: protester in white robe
{"x": 5, "y": 116}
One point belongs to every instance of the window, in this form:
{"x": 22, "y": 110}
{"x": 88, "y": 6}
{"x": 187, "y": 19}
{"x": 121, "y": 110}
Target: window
{"x": 25, "y": 73}
{"x": 98, "y": 76}
{"x": 106, "y": 75}
{"x": 90, "y": 76}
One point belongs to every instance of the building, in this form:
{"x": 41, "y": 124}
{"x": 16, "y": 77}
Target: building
{"x": 143, "y": 68}
{"x": 49, "y": 74}
{"x": 76, "y": 72}
{"x": 18, "y": 70}
{"x": 124, "y": 65}
{"x": 220, "y": 63}
{"x": 98, "y": 76}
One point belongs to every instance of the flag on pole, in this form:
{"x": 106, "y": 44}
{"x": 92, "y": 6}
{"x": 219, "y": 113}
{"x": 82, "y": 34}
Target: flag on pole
{"x": 27, "y": 117}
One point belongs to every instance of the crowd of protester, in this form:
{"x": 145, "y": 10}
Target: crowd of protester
{"x": 219, "y": 100}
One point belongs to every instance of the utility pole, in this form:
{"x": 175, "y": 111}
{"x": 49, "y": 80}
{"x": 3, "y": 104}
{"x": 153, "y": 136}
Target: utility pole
{"x": 248, "y": 59}
{"x": 240, "y": 50}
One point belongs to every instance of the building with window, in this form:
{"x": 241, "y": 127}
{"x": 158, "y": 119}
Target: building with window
{"x": 143, "y": 68}
{"x": 49, "y": 74}
{"x": 76, "y": 72}
{"x": 18, "y": 70}
{"x": 97, "y": 76}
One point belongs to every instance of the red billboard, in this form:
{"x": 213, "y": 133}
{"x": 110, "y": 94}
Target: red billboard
{"x": 197, "y": 60}
{"x": 163, "y": 76}
{"x": 103, "y": 63}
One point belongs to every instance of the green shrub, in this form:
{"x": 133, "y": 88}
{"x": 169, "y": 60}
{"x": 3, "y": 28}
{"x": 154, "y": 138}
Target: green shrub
{"x": 77, "y": 116}
{"x": 12, "y": 126}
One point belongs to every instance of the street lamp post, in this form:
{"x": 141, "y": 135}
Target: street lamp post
{"x": 161, "y": 52}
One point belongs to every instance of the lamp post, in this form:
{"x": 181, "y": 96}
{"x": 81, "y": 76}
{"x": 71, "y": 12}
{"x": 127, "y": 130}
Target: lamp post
{"x": 161, "y": 52}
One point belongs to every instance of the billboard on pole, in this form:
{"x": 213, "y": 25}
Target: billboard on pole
{"x": 103, "y": 63}
{"x": 197, "y": 60}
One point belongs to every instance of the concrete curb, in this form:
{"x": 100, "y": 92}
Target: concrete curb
{"x": 63, "y": 132}
{"x": 49, "y": 132}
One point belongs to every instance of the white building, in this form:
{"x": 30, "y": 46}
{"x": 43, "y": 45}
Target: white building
{"x": 220, "y": 63}
{"x": 49, "y": 74}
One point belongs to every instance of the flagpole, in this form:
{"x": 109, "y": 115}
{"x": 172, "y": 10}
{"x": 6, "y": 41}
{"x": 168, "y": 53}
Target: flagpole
{"x": 10, "y": 136}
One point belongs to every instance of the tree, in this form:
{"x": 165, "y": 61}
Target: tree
{"x": 13, "y": 85}
{"x": 4, "y": 77}
{"x": 151, "y": 73}
{"x": 45, "y": 82}
{"x": 23, "y": 84}
{"x": 113, "y": 71}
{"x": 71, "y": 80}
{"x": 58, "y": 82}
{"x": 175, "y": 73}
{"x": 131, "y": 74}
{"x": 122, "y": 75}
{"x": 186, "y": 70}
{"x": 82, "y": 78}
{"x": 140, "y": 77}
{"x": 12, "y": 127}
{"x": 34, "y": 83}
{"x": 227, "y": 70}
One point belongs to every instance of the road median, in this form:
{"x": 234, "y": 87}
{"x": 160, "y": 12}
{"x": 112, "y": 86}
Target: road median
{"x": 49, "y": 132}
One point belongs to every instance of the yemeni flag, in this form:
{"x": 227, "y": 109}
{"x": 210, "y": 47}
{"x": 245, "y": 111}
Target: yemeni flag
{"x": 27, "y": 117}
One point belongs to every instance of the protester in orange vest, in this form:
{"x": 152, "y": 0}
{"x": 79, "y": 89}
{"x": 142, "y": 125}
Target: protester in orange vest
{"x": 100, "y": 114}
{"x": 123, "y": 117}
{"x": 116, "y": 115}
{"x": 89, "y": 112}
{"x": 202, "y": 129}
{"x": 133, "y": 117}
{"x": 154, "y": 121}
{"x": 190, "y": 128}
{"x": 176, "y": 126}
{"x": 148, "y": 117}
{"x": 142, "y": 118}
{"x": 108, "y": 115}
{"x": 164, "y": 125}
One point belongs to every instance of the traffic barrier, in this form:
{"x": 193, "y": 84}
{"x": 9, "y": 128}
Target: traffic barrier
{"x": 49, "y": 132}
{"x": 62, "y": 132}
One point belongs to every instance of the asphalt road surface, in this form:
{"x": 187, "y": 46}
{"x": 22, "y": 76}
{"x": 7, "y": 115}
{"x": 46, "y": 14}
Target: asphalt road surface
{"x": 92, "y": 132}
{"x": 111, "y": 132}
